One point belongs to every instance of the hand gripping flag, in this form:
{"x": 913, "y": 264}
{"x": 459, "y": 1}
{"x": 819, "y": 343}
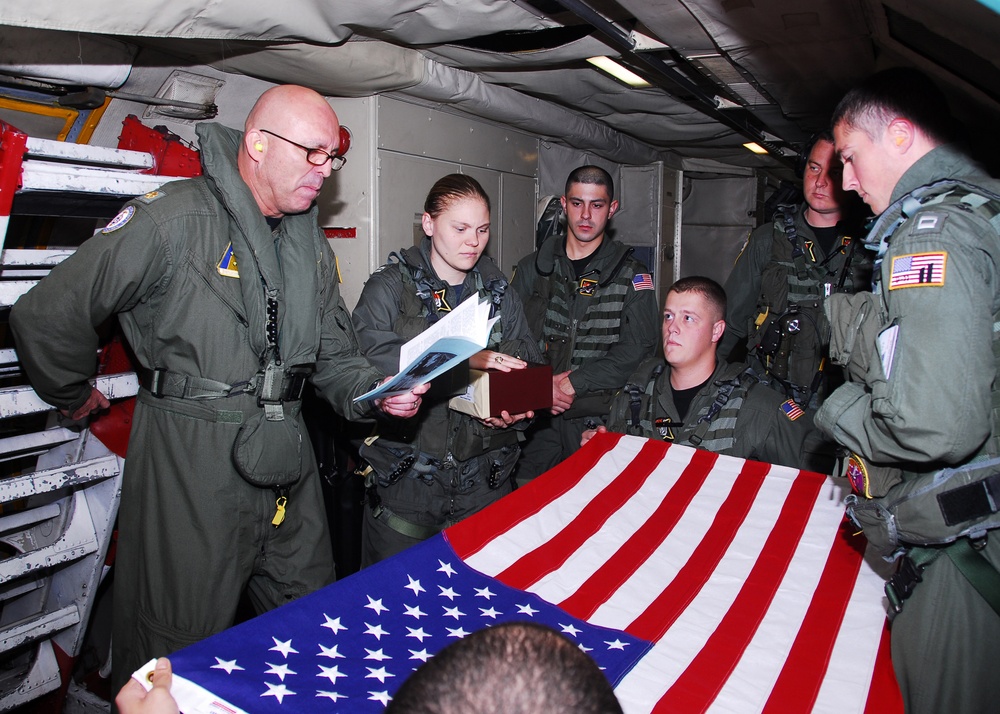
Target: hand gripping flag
{"x": 698, "y": 582}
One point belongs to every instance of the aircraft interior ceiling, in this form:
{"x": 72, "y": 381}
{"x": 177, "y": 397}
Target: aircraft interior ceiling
{"x": 721, "y": 72}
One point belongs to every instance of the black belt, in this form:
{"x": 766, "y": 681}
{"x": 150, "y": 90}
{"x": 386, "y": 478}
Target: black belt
{"x": 164, "y": 383}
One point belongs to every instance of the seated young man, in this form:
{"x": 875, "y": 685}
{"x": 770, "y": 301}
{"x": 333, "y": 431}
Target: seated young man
{"x": 689, "y": 397}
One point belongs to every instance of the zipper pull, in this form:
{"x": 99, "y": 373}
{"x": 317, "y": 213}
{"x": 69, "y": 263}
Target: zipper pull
{"x": 279, "y": 514}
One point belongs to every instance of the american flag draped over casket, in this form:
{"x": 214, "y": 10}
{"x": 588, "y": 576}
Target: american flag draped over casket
{"x": 698, "y": 582}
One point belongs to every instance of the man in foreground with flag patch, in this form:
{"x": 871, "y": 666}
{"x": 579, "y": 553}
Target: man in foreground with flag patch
{"x": 592, "y": 307}
{"x": 920, "y": 414}
{"x": 690, "y": 397}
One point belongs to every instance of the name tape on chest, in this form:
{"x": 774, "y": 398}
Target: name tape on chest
{"x": 642, "y": 281}
{"x": 918, "y": 270}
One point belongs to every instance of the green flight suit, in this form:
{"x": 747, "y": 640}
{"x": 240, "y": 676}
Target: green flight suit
{"x": 601, "y": 331}
{"x": 923, "y": 403}
{"x": 442, "y": 465}
{"x": 751, "y": 421}
{"x": 193, "y": 532}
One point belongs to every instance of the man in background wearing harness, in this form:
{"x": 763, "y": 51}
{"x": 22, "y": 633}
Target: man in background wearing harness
{"x": 593, "y": 309}
{"x": 228, "y": 295}
{"x": 920, "y": 412}
{"x": 696, "y": 400}
{"x": 786, "y": 269}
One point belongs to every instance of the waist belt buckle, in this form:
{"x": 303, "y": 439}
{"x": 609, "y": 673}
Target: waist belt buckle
{"x": 276, "y": 385}
{"x": 154, "y": 379}
{"x": 294, "y": 385}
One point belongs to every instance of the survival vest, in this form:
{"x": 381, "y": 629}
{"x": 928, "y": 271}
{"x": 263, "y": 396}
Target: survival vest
{"x": 549, "y": 310}
{"x": 788, "y": 333}
{"x": 712, "y": 428}
{"x": 424, "y": 298}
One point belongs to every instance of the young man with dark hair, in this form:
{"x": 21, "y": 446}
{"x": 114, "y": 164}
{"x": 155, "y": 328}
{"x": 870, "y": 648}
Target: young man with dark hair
{"x": 593, "y": 309}
{"x": 920, "y": 412}
{"x": 786, "y": 269}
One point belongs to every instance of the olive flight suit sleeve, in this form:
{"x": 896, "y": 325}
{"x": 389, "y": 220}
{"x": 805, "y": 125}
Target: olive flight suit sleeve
{"x": 743, "y": 288}
{"x": 342, "y": 370}
{"x": 377, "y": 310}
{"x": 517, "y": 338}
{"x": 618, "y": 416}
{"x": 521, "y": 281}
{"x": 926, "y": 397}
{"x": 768, "y": 432}
{"x": 637, "y": 340}
{"x": 55, "y": 323}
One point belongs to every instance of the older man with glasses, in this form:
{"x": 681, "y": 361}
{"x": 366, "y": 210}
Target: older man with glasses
{"x": 227, "y": 293}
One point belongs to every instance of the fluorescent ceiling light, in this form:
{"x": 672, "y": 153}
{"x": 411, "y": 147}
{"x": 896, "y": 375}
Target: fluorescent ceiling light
{"x": 618, "y": 72}
{"x": 755, "y": 147}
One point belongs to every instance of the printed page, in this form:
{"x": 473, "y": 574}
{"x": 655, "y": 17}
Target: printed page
{"x": 451, "y": 340}
{"x": 470, "y": 320}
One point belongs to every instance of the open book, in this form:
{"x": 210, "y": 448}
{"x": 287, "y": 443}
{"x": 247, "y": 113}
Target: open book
{"x": 452, "y": 339}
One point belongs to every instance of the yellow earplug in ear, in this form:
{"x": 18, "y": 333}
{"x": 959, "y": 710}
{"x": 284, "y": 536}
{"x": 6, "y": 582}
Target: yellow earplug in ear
{"x": 260, "y": 146}
{"x": 899, "y": 140}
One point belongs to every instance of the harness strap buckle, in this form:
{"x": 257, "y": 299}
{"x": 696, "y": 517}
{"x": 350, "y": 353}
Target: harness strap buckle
{"x": 902, "y": 583}
{"x": 156, "y": 381}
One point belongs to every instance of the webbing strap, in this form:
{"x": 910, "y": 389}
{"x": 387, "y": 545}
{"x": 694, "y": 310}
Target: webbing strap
{"x": 634, "y": 405}
{"x": 403, "y": 526}
{"x": 787, "y": 214}
{"x": 977, "y": 570}
{"x": 721, "y": 397}
{"x": 163, "y": 383}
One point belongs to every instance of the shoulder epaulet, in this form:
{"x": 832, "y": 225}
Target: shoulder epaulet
{"x": 975, "y": 198}
{"x": 151, "y": 196}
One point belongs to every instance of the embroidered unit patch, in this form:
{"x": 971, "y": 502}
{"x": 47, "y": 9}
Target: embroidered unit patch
{"x": 792, "y": 410}
{"x": 440, "y": 304}
{"x": 227, "y": 264}
{"x": 857, "y": 474}
{"x": 588, "y": 286}
{"x": 642, "y": 281}
{"x": 123, "y": 217}
{"x": 918, "y": 270}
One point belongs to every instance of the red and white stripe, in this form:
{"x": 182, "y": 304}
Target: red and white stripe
{"x": 740, "y": 572}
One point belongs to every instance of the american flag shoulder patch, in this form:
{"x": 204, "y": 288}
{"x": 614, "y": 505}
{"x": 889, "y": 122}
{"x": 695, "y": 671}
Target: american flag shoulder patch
{"x": 642, "y": 281}
{"x": 918, "y": 270}
{"x": 792, "y": 410}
